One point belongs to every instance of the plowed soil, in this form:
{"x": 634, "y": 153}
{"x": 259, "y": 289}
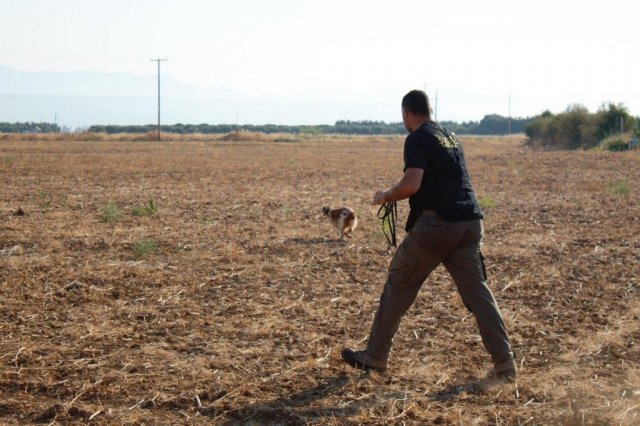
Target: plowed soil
{"x": 230, "y": 303}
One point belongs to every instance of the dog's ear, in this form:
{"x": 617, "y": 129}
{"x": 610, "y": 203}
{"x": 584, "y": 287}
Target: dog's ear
{"x": 325, "y": 210}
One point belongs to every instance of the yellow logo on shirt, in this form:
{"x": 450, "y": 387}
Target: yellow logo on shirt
{"x": 448, "y": 141}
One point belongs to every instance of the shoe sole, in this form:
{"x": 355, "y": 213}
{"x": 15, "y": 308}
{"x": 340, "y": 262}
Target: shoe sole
{"x": 348, "y": 357}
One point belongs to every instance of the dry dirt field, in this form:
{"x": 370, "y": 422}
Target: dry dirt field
{"x": 231, "y": 303}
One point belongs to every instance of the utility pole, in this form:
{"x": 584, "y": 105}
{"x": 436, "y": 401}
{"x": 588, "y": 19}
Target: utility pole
{"x": 158, "y": 60}
{"x": 509, "y": 112}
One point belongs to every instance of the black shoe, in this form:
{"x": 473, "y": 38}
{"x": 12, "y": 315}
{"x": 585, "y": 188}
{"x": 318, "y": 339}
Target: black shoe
{"x": 355, "y": 359}
{"x": 507, "y": 376}
{"x": 506, "y": 371}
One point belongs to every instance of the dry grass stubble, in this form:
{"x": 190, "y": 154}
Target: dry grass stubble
{"x": 240, "y": 314}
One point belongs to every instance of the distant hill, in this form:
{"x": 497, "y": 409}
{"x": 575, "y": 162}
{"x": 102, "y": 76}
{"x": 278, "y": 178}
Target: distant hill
{"x": 87, "y": 98}
{"x": 99, "y": 84}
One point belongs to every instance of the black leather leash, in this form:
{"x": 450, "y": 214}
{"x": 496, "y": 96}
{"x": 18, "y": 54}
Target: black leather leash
{"x": 388, "y": 213}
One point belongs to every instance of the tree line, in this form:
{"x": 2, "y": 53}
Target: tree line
{"x": 340, "y": 127}
{"x": 492, "y": 124}
{"x": 574, "y": 128}
{"x": 29, "y": 127}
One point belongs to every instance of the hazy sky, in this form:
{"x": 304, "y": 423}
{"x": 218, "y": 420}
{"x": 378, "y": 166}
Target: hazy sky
{"x": 548, "y": 54}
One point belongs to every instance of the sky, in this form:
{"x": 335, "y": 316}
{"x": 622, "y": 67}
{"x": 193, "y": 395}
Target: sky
{"x": 475, "y": 55}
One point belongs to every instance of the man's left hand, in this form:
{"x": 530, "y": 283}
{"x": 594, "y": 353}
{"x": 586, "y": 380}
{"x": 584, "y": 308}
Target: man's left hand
{"x": 378, "y": 198}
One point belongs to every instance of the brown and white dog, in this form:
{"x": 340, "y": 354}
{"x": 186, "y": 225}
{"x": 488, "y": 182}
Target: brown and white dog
{"x": 343, "y": 218}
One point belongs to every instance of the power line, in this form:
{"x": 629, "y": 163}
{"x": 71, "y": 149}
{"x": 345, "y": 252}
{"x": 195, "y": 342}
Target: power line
{"x": 158, "y": 60}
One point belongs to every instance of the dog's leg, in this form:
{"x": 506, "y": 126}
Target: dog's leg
{"x": 341, "y": 228}
{"x": 351, "y": 223}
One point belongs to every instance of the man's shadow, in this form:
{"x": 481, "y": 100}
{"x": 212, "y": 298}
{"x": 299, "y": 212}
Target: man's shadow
{"x": 475, "y": 386}
{"x": 296, "y": 408}
{"x": 299, "y": 408}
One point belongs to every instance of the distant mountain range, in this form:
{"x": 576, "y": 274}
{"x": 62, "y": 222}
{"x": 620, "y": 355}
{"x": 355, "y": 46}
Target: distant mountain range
{"x": 83, "y": 98}
{"x": 98, "y": 84}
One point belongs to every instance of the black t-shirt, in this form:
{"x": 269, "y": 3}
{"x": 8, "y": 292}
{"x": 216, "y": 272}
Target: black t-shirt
{"x": 445, "y": 187}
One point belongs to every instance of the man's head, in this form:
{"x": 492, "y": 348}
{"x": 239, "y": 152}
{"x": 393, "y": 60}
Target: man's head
{"x": 415, "y": 109}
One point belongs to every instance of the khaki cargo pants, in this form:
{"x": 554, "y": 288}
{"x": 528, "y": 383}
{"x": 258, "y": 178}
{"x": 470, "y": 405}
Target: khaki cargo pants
{"x": 430, "y": 242}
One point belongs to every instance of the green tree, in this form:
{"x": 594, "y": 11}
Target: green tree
{"x": 610, "y": 118}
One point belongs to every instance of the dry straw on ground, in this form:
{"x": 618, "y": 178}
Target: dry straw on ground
{"x": 239, "y": 314}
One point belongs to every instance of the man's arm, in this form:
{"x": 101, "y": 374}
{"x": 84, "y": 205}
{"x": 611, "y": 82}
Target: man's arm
{"x": 404, "y": 188}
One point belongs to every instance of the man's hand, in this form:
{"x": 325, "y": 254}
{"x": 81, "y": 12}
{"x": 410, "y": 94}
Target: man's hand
{"x": 405, "y": 188}
{"x": 378, "y": 198}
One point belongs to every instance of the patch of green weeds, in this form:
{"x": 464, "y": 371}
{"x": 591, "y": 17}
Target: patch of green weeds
{"x": 486, "y": 203}
{"x": 110, "y": 213}
{"x": 149, "y": 210}
{"x": 143, "y": 247}
{"x": 621, "y": 188}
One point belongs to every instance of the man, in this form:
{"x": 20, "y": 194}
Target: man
{"x": 444, "y": 226}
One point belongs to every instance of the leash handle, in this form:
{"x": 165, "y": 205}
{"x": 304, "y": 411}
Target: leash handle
{"x": 387, "y": 213}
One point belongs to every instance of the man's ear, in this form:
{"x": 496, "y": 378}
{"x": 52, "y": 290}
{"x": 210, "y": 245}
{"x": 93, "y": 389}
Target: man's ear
{"x": 405, "y": 114}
